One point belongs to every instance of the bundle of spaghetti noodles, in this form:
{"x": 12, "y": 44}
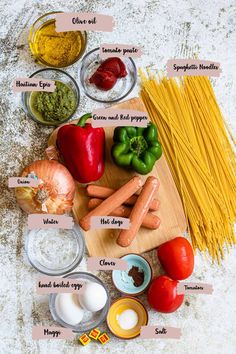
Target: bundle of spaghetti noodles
{"x": 196, "y": 144}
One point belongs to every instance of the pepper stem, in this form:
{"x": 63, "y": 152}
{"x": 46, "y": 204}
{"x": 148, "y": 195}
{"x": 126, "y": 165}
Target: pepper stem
{"x": 138, "y": 145}
{"x": 83, "y": 119}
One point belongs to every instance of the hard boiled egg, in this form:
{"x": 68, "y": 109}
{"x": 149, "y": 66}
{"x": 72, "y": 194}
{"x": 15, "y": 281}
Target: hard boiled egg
{"x": 94, "y": 297}
{"x": 68, "y": 308}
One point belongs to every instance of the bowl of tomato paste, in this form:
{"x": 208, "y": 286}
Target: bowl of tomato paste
{"x": 108, "y": 80}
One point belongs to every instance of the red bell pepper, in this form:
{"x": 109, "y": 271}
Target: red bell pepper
{"x": 83, "y": 149}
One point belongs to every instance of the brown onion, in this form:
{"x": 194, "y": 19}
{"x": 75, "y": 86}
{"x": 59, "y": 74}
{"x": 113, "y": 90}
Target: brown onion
{"x": 54, "y": 196}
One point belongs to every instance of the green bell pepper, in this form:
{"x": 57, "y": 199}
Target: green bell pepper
{"x": 136, "y": 148}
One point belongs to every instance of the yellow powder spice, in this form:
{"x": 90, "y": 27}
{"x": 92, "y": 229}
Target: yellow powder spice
{"x": 57, "y": 49}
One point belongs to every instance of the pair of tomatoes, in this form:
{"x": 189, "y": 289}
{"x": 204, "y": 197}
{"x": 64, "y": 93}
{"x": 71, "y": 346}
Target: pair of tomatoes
{"x": 177, "y": 259}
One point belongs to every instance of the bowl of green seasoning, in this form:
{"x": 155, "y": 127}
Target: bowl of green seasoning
{"x": 52, "y": 108}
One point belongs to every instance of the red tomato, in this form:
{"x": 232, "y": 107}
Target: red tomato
{"x": 162, "y": 294}
{"x": 177, "y": 258}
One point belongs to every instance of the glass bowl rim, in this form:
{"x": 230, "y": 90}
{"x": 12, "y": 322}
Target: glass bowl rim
{"x": 46, "y": 14}
{"x": 78, "y": 234}
{"x": 23, "y": 95}
{"x": 106, "y": 101}
{"x": 52, "y": 298}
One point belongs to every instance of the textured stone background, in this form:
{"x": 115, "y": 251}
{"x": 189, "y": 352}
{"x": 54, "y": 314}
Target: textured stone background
{"x": 164, "y": 29}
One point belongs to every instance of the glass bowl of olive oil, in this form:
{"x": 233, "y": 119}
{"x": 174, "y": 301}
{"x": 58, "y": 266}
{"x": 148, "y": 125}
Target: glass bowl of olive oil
{"x": 55, "y": 49}
{"x": 52, "y": 108}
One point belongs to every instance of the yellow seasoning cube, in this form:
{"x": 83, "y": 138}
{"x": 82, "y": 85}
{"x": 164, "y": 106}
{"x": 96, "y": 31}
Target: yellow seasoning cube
{"x": 104, "y": 338}
{"x": 84, "y": 339}
{"x": 94, "y": 333}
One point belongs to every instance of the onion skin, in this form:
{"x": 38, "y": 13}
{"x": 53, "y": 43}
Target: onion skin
{"x": 58, "y": 184}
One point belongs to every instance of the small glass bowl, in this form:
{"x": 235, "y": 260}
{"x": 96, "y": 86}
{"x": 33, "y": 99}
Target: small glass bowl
{"x": 93, "y": 319}
{"x": 51, "y": 74}
{"x": 120, "y": 90}
{"x": 42, "y": 247}
{"x": 38, "y": 24}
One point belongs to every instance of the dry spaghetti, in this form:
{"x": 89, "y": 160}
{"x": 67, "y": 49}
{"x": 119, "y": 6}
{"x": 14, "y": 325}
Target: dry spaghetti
{"x": 196, "y": 144}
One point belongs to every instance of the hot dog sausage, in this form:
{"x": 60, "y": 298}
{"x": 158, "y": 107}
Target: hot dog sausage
{"x": 138, "y": 212}
{"x": 102, "y": 192}
{"x": 150, "y": 221}
{"x": 112, "y": 202}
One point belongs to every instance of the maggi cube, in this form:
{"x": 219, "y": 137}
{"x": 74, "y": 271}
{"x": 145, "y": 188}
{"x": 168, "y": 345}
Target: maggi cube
{"x": 94, "y": 333}
{"x": 104, "y": 338}
{"x": 84, "y": 339}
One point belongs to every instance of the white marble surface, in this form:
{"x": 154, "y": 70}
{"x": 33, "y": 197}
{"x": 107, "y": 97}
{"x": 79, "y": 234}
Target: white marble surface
{"x": 165, "y": 29}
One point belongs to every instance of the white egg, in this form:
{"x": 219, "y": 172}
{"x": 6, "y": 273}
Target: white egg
{"x": 94, "y": 297}
{"x": 68, "y": 308}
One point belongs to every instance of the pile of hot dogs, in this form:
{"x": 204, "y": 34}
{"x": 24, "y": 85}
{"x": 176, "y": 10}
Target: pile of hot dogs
{"x": 125, "y": 202}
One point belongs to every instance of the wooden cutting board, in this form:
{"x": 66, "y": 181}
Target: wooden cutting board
{"x": 102, "y": 242}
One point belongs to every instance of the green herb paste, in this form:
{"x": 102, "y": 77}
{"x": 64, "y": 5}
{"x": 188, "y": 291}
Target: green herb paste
{"x": 53, "y": 106}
